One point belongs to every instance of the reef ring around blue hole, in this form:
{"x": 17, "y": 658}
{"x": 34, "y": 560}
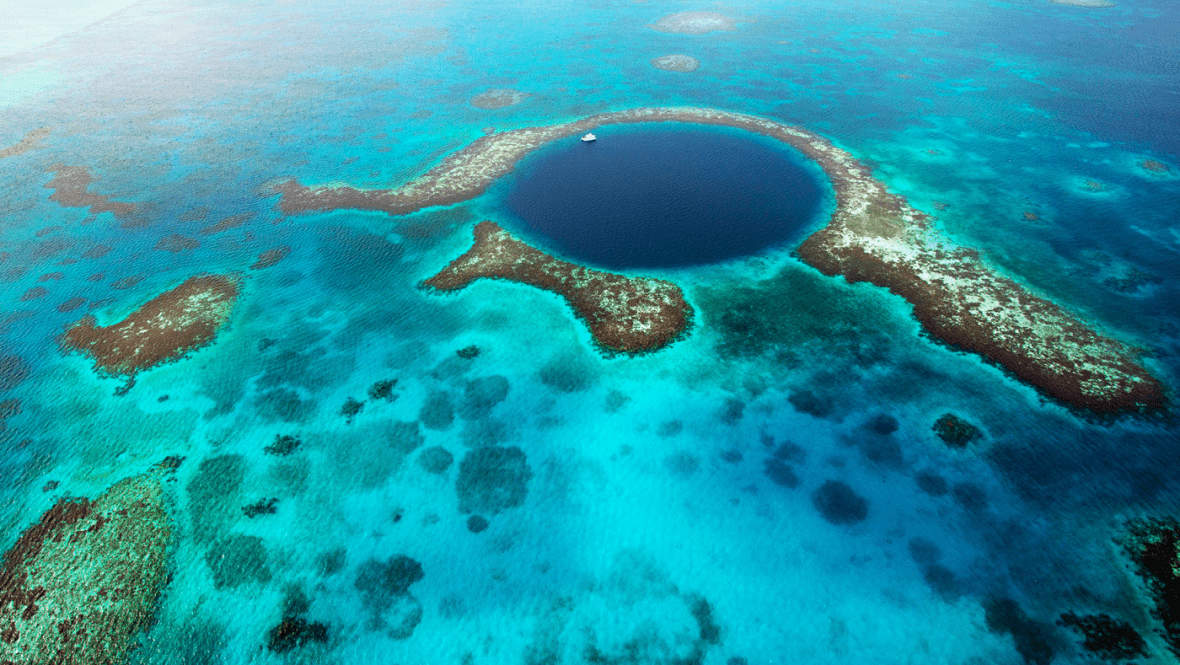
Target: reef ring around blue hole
{"x": 665, "y": 196}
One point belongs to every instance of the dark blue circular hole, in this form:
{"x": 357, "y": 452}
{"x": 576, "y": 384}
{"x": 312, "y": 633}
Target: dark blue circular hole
{"x": 664, "y": 196}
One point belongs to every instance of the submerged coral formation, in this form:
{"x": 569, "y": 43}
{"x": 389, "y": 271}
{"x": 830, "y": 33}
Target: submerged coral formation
{"x": 30, "y": 141}
{"x": 624, "y": 314}
{"x": 694, "y": 23}
{"x": 676, "y": 63}
{"x": 162, "y": 330}
{"x": 1153, "y": 546}
{"x": 70, "y": 185}
{"x": 83, "y": 581}
{"x": 873, "y": 236}
{"x": 1106, "y": 637}
{"x": 954, "y": 431}
{"x": 498, "y": 98}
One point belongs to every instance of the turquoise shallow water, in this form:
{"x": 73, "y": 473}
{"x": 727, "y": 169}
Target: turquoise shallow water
{"x": 656, "y": 509}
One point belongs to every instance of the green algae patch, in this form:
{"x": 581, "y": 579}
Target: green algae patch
{"x": 84, "y": 580}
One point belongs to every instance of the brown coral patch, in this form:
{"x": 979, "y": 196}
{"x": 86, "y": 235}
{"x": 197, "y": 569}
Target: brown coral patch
{"x": 1154, "y": 166}
{"x": 34, "y": 293}
{"x": 30, "y": 141}
{"x": 231, "y": 222}
{"x": 162, "y": 330}
{"x": 71, "y": 304}
{"x": 271, "y": 257}
{"x": 70, "y": 185}
{"x": 97, "y": 252}
{"x": 124, "y": 283}
{"x": 498, "y": 98}
{"x": 177, "y": 243}
{"x": 13, "y": 372}
{"x": 624, "y": 314}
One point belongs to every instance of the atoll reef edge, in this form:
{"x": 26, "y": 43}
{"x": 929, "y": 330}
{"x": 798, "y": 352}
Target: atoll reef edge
{"x": 874, "y": 236}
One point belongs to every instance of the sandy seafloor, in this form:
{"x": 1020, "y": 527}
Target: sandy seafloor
{"x": 647, "y": 487}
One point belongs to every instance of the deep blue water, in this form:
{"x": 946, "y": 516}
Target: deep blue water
{"x": 665, "y": 196}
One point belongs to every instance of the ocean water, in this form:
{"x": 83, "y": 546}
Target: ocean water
{"x": 767, "y": 490}
{"x": 668, "y": 196}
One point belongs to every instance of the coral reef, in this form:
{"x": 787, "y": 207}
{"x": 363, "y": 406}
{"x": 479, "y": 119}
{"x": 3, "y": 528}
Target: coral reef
{"x": 383, "y": 389}
{"x": 694, "y": 23}
{"x": 1106, "y": 638}
{"x": 284, "y": 444}
{"x": 954, "y": 431}
{"x": 261, "y": 507}
{"x": 30, "y": 141}
{"x": 69, "y": 185}
{"x": 1153, "y": 546}
{"x": 676, "y": 63}
{"x": 1154, "y": 166}
{"x": 498, "y": 98}
{"x": 351, "y": 408}
{"x": 873, "y": 235}
{"x": 295, "y": 632}
{"x": 468, "y": 352}
{"x": 78, "y": 585}
{"x": 176, "y": 243}
{"x": 624, "y": 314}
{"x": 270, "y": 257}
{"x": 164, "y": 329}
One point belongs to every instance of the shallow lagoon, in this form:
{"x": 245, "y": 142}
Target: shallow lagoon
{"x": 673, "y": 506}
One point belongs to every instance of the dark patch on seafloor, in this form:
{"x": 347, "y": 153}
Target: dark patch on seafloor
{"x": 435, "y": 459}
{"x": 492, "y": 479}
{"x": 385, "y": 591}
{"x": 665, "y": 196}
{"x": 1106, "y": 637}
{"x": 1035, "y": 640}
{"x": 213, "y": 495}
{"x": 236, "y": 560}
{"x": 839, "y": 504}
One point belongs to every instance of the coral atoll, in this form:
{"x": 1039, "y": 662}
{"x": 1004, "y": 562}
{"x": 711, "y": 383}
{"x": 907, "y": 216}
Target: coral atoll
{"x": 78, "y": 585}
{"x": 624, "y": 314}
{"x": 873, "y": 235}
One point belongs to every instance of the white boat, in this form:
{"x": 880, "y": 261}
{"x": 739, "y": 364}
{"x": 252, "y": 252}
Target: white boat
{"x": 589, "y": 137}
